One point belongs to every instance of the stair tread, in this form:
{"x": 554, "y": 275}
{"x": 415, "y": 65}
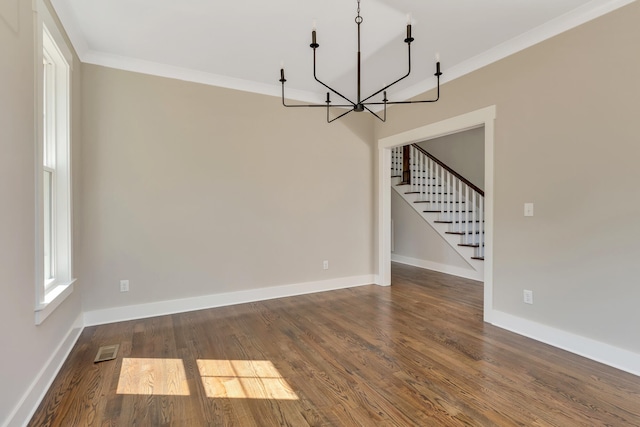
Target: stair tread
{"x": 434, "y": 201}
{"x": 428, "y": 201}
{"x": 470, "y": 245}
{"x": 420, "y": 192}
{"x": 446, "y": 220}
{"x": 453, "y": 222}
{"x": 479, "y": 258}
{"x": 462, "y": 233}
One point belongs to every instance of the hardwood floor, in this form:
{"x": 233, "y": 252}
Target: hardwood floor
{"x": 414, "y": 354}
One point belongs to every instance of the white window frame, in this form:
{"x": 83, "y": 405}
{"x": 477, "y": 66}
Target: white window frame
{"x": 55, "y": 283}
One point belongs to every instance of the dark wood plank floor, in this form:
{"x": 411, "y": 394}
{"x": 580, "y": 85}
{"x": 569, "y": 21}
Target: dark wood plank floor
{"x": 414, "y": 354}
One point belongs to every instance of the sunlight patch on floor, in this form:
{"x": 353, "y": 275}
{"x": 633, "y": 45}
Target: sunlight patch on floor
{"x": 244, "y": 379}
{"x": 165, "y": 377}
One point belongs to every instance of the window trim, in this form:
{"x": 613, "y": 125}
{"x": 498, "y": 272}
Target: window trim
{"x": 50, "y": 294}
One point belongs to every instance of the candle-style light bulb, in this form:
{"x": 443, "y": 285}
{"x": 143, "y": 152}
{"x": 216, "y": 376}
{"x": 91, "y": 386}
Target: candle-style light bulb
{"x": 437, "y": 56}
{"x": 409, "y": 39}
{"x": 314, "y": 42}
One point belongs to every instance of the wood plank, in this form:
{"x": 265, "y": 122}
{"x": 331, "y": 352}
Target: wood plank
{"x": 413, "y": 354}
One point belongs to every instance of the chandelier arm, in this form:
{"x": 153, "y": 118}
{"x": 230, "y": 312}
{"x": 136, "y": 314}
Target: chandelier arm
{"x": 336, "y": 118}
{"x": 308, "y": 105}
{"x": 353, "y": 104}
{"x": 401, "y": 78}
{"x": 438, "y": 73}
{"x": 379, "y": 118}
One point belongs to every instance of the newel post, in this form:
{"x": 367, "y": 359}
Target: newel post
{"x": 406, "y": 168}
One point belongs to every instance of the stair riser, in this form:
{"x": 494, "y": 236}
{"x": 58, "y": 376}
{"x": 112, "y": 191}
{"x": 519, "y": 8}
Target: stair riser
{"x": 451, "y": 216}
{"x": 469, "y": 240}
{"x": 440, "y": 199}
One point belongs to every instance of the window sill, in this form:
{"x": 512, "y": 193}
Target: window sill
{"x": 52, "y": 300}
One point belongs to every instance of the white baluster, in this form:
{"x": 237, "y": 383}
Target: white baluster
{"x": 430, "y": 182}
{"x": 442, "y": 182}
{"x": 412, "y": 159}
{"x": 475, "y": 216}
{"x": 394, "y": 161}
{"x": 436, "y": 181}
{"x": 422, "y": 189}
{"x": 424, "y": 177}
{"x": 456, "y": 198}
{"x": 467, "y": 223}
{"x": 398, "y": 165}
{"x": 449, "y": 204}
{"x": 481, "y": 251}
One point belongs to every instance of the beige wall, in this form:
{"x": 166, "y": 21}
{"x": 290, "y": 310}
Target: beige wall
{"x": 190, "y": 190}
{"x": 566, "y": 138}
{"x": 463, "y": 152}
{"x": 194, "y": 190}
{"x": 26, "y": 348}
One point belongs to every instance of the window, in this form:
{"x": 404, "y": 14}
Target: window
{"x": 54, "y": 250}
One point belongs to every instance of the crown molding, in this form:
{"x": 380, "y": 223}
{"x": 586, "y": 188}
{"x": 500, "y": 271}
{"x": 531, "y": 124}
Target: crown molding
{"x": 572, "y": 19}
{"x": 559, "y": 25}
{"x": 195, "y": 76}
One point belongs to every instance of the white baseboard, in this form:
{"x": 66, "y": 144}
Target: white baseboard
{"x": 442, "y": 268}
{"x": 141, "y": 311}
{"x": 607, "y": 354}
{"x": 29, "y": 402}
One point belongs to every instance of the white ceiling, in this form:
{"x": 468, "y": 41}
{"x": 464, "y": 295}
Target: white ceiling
{"x": 241, "y": 44}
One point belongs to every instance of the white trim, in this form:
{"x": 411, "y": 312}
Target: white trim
{"x": 48, "y": 20}
{"x": 195, "y": 76}
{"x": 436, "y": 266}
{"x": 141, "y": 311}
{"x": 49, "y": 38}
{"x": 591, "y": 349}
{"x": 31, "y": 399}
{"x": 559, "y": 25}
{"x": 483, "y": 117}
{"x": 53, "y": 298}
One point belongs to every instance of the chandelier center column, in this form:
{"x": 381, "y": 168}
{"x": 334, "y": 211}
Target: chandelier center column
{"x": 359, "y": 107}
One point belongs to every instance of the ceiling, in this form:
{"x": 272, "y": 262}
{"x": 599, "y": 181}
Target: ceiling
{"x": 241, "y": 45}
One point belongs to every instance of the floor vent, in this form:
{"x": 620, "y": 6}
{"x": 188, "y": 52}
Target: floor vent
{"x": 107, "y": 352}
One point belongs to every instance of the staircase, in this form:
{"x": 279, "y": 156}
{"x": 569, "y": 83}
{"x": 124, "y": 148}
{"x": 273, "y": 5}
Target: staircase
{"x": 449, "y": 203}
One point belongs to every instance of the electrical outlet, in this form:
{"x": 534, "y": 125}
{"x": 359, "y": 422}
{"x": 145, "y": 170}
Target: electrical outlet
{"x": 325, "y": 265}
{"x": 528, "y": 209}
{"x": 527, "y": 296}
{"x": 124, "y": 286}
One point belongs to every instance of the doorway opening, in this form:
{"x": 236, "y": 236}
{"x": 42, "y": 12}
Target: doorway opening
{"x": 483, "y": 117}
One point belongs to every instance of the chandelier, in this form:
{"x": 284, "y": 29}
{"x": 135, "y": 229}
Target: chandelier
{"x": 361, "y": 104}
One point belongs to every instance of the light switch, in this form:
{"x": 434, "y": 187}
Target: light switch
{"x": 528, "y": 209}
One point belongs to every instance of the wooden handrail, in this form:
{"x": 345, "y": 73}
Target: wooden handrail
{"x": 456, "y": 174}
